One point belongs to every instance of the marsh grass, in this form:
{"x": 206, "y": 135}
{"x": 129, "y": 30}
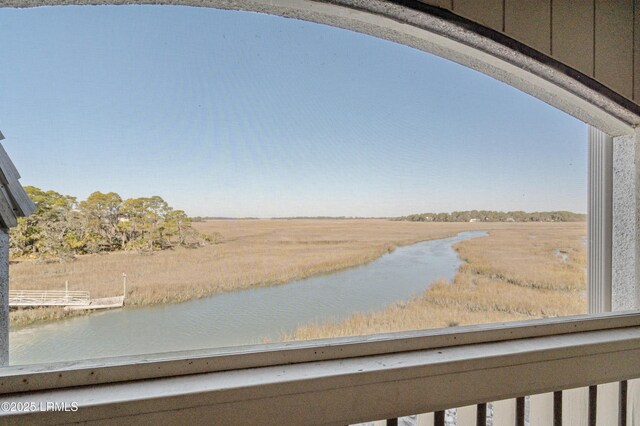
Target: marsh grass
{"x": 249, "y": 253}
{"x": 509, "y": 275}
{"x": 254, "y": 253}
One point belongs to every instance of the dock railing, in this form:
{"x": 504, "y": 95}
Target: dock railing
{"x": 27, "y": 298}
{"x": 347, "y": 380}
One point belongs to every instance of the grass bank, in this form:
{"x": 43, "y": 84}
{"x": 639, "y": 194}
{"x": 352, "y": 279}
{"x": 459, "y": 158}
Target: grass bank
{"x": 252, "y": 253}
{"x": 523, "y": 271}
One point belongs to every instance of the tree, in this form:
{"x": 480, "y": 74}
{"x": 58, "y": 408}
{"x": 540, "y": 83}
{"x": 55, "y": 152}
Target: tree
{"x": 101, "y": 213}
{"x": 143, "y": 224}
{"x": 178, "y": 224}
{"x": 53, "y": 231}
{"x": 60, "y": 227}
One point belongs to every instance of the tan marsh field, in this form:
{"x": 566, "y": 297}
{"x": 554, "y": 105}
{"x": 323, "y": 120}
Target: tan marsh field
{"x": 514, "y": 273}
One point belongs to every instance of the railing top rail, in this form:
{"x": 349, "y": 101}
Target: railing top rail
{"x": 28, "y": 298}
{"x": 52, "y": 292}
{"x": 140, "y": 367}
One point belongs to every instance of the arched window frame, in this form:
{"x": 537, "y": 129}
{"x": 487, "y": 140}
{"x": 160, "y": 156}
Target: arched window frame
{"x": 614, "y": 194}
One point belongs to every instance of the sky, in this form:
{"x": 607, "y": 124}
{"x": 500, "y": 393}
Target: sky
{"x": 239, "y": 114}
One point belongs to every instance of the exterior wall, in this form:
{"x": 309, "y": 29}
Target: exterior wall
{"x": 626, "y": 234}
{"x": 597, "y": 38}
{"x": 636, "y": 51}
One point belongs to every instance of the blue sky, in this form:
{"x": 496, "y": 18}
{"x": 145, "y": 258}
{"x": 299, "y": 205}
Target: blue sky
{"x": 240, "y": 114}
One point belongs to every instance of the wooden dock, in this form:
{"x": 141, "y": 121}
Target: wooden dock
{"x": 35, "y": 298}
{"x": 102, "y": 303}
{"x": 70, "y": 300}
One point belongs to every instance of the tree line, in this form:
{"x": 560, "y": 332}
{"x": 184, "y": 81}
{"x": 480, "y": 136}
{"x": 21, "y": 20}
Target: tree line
{"x": 496, "y": 216}
{"x": 63, "y": 227}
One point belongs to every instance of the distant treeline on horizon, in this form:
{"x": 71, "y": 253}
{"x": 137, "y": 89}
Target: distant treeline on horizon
{"x": 458, "y": 216}
{"x": 205, "y": 218}
{"x": 496, "y": 216}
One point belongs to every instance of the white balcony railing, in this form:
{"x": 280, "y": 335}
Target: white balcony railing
{"x": 339, "y": 381}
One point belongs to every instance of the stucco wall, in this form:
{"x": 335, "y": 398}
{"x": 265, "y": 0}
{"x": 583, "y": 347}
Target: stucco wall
{"x": 626, "y": 218}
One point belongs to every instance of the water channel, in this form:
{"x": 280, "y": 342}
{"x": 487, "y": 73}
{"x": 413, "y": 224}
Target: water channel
{"x": 243, "y": 317}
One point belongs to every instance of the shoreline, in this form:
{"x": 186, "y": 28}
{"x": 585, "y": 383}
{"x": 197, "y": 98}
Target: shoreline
{"x": 254, "y": 254}
{"x": 245, "y": 317}
{"x": 482, "y": 291}
{"x": 23, "y": 318}
{"x": 47, "y": 315}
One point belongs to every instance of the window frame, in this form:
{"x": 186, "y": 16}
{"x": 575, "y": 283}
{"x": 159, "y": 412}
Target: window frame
{"x": 470, "y": 44}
